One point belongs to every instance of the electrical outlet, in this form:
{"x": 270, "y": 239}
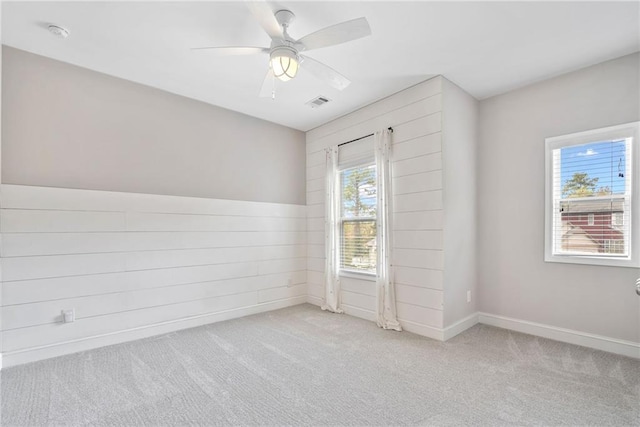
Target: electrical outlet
{"x": 468, "y": 296}
{"x": 69, "y": 316}
{"x": 289, "y": 283}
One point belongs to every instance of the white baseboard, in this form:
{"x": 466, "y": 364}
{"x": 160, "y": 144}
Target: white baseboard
{"x": 460, "y": 326}
{"x": 59, "y": 349}
{"x": 598, "y": 342}
{"x": 314, "y": 300}
{"x": 358, "y": 312}
{"x": 424, "y": 330}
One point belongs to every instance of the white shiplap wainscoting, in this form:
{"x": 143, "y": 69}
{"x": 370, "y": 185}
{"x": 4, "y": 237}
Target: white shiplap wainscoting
{"x": 415, "y": 115}
{"x": 136, "y": 265}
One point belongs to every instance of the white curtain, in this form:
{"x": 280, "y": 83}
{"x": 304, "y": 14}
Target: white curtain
{"x": 331, "y": 217}
{"x": 386, "y": 300}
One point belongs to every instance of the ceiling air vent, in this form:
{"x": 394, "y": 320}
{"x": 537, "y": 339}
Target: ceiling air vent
{"x": 317, "y": 102}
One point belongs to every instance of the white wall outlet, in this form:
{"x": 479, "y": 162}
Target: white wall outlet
{"x": 468, "y": 296}
{"x": 69, "y": 316}
{"x": 289, "y": 282}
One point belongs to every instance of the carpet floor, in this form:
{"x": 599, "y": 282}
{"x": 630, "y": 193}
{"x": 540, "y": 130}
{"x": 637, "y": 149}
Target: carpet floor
{"x": 301, "y": 366}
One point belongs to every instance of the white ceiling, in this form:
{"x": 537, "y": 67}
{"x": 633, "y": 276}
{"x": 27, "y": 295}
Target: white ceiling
{"x": 487, "y": 48}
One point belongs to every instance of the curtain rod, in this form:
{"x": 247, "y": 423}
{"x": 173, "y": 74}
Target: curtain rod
{"x": 362, "y": 137}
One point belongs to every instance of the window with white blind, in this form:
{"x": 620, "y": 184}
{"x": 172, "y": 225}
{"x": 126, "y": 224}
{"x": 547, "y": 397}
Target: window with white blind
{"x": 592, "y": 197}
{"x": 358, "y": 205}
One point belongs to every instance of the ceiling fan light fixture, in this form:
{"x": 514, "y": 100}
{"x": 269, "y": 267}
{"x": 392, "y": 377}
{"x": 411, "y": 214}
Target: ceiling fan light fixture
{"x": 284, "y": 63}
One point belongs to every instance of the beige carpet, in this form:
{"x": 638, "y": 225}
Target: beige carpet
{"x": 302, "y": 366}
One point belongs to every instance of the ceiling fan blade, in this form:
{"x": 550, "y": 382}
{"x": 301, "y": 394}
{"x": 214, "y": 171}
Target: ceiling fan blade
{"x": 266, "y": 91}
{"x": 325, "y": 73}
{"x": 234, "y": 50}
{"x": 263, "y": 13}
{"x": 336, "y": 34}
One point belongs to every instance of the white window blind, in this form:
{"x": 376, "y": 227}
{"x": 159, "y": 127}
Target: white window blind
{"x": 358, "y": 205}
{"x": 356, "y": 153}
{"x": 591, "y": 198}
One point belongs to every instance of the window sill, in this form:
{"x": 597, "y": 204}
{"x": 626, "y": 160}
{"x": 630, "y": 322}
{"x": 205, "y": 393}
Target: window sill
{"x": 358, "y": 275}
{"x": 593, "y": 260}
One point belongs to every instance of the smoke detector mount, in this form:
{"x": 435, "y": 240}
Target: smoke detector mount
{"x": 58, "y": 31}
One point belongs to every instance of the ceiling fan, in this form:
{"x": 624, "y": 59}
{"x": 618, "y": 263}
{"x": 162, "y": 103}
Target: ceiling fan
{"x": 285, "y": 52}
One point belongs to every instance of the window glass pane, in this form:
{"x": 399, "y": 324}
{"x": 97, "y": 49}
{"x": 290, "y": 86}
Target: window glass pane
{"x": 593, "y": 201}
{"x": 592, "y": 170}
{"x": 358, "y": 246}
{"x": 358, "y": 192}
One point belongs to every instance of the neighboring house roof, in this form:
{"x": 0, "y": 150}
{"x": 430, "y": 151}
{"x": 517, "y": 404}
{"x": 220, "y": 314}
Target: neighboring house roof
{"x": 597, "y": 233}
{"x": 591, "y": 205}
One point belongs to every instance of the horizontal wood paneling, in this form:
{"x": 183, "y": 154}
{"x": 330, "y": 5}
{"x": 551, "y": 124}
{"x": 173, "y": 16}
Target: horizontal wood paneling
{"x": 418, "y": 239}
{"x": 422, "y": 220}
{"x": 28, "y": 291}
{"x": 315, "y": 224}
{"x": 315, "y": 277}
{"x": 282, "y": 293}
{"x": 52, "y": 333}
{"x": 316, "y": 159}
{"x": 354, "y": 299}
{"x": 188, "y": 257}
{"x": 48, "y": 198}
{"x": 423, "y": 90}
{"x": 137, "y": 221}
{"x": 48, "y": 221}
{"x": 416, "y": 276}
{"x": 127, "y": 261}
{"x": 316, "y": 211}
{"x": 420, "y": 258}
{"x": 417, "y": 147}
{"x": 315, "y": 237}
{"x": 33, "y": 244}
{"x": 418, "y": 314}
{"x": 316, "y": 172}
{"x": 414, "y": 165}
{"x": 38, "y": 267}
{"x": 315, "y": 264}
{"x": 315, "y": 291}
{"x": 315, "y": 251}
{"x": 415, "y": 115}
{"x": 315, "y": 197}
{"x": 416, "y": 295}
{"x": 358, "y": 286}
{"x": 315, "y": 184}
{"x": 421, "y": 201}
{"x": 416, "y": 183}
{"x": 23, "y": 315}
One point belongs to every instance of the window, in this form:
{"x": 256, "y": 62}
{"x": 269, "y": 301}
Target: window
{"x": 592, "y": 197}
{"x": 616, "y": 220}
{"x": 358, "y": 205}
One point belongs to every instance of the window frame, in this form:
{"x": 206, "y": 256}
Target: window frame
{"x": 346, "y": 272}
{"x": 623, "y": 131}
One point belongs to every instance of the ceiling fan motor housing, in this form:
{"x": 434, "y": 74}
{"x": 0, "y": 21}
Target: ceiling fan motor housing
{"x": 284, "y": 17}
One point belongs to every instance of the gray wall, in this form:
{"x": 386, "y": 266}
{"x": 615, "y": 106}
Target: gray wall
{"x": 514, "y": 279}
{"x": 66, "y": 126}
